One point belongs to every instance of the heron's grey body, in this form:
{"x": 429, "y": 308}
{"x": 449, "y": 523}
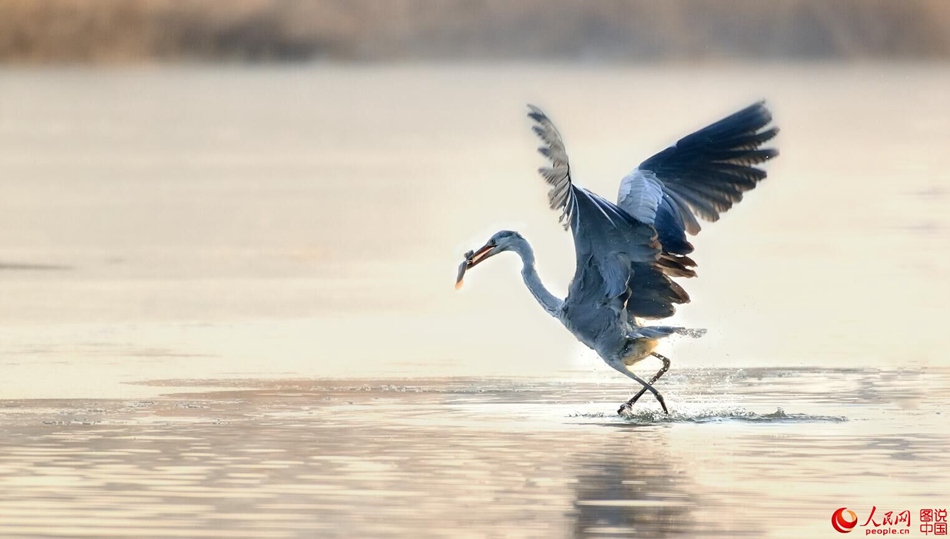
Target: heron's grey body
{"x": 627, "y": 253}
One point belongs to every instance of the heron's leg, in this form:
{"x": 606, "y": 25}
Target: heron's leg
{"x": 666, "y": 367}
{"x": 619, "y": 366}
{"x": 646, "y": 387}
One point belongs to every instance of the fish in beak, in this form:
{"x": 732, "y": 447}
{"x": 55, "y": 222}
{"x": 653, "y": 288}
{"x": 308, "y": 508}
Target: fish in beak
{"x": 472, "y": 259}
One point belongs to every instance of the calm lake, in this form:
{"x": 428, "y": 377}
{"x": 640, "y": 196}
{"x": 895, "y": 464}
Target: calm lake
{"x": 226, "y": 306}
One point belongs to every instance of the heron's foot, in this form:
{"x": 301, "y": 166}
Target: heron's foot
{"x": 627, "y": 407}
{"x": 662, "y": 402}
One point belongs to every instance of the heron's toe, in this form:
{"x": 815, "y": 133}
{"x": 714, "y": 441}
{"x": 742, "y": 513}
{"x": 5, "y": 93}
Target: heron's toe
{"x": 624, "y": 409}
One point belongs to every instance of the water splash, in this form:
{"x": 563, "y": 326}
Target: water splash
{"x": 711, "y": 415}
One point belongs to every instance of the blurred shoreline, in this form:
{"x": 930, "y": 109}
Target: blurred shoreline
{"x": 143, "y": 31}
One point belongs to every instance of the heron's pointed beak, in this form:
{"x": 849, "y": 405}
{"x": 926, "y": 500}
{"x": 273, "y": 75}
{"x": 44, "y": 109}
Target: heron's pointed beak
{"x": 478, "y": 256}
{"x": 472, "y": 259}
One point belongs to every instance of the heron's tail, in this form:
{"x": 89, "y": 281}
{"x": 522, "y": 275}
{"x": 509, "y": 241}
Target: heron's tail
{"x": 643, "y": 340}
{"x": 656, "y": 332}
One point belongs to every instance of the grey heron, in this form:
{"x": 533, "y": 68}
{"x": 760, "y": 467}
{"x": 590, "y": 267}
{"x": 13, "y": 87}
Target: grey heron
{"x": 627, "y": 253}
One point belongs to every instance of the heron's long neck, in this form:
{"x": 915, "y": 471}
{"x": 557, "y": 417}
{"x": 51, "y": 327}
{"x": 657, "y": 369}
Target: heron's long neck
{"x": 549, "y": 301}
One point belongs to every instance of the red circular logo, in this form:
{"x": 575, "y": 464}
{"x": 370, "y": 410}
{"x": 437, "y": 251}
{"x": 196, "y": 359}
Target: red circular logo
{"x": 840, "y": 523}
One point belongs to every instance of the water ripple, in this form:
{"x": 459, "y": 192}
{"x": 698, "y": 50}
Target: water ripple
{"x": 710, "y": 415}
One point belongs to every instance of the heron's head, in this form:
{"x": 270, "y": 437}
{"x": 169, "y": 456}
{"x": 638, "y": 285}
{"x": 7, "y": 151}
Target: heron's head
{"x": 500, "y": 242}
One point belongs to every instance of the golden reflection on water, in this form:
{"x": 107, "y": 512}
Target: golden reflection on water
{"x": 471, "y": 458}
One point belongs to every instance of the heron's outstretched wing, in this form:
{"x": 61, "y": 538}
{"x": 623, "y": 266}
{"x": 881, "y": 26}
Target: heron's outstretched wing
{"x": 558, "y": 175}
{"x": 702, "y": 175}
{"x": 620, "y": 270}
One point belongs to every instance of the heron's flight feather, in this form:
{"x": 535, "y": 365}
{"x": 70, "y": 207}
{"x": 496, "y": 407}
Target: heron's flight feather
{"x": 711, "y": 168}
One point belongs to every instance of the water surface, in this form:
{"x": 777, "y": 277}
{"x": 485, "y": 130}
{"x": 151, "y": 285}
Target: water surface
{"x": 758, "y": 453}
